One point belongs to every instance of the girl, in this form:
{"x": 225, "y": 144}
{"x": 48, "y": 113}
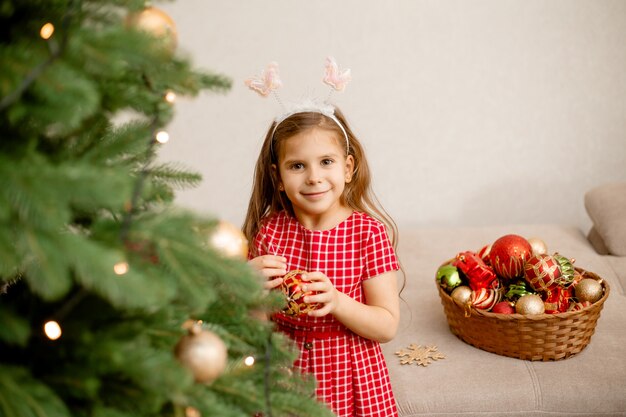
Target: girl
{"x": 312, "y": 209}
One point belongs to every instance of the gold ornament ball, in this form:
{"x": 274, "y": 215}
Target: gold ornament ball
{"x": 158, "y": 23}
{"x": 461, "y": 295}
{"x": 588, "y": 289}
{"x": 202, "y": 352}
{"x": 538, "y": 246}
{"x": 228, "y": 240}
{"x": 530, "y": 304}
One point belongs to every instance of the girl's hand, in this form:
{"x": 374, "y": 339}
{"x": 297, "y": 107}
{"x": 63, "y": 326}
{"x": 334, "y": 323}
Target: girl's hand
{"x": 327, "y": 294}
{"x": 271, "y": 267}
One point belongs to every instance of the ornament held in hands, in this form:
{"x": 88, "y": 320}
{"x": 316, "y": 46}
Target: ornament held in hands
{"x": 292, "y": 290}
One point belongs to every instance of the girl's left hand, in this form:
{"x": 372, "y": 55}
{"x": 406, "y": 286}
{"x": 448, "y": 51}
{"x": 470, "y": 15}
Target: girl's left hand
{"x": 327, "y": 295}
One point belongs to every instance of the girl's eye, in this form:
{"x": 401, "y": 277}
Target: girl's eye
{"x": 327, "y": 161}
{"x": 297, "y": 166}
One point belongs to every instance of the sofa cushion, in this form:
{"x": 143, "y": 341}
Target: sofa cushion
{"x": 606, "y": 206}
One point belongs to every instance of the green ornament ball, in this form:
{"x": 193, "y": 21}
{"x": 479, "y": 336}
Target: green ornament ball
{"x": 448, "y": 277}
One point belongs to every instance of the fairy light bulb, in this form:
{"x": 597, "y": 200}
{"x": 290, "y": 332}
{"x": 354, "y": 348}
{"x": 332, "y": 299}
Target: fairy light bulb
{"x": 162, "y": 136}
{"x": 170, "y": 97}
{"x": 52, "y": 329}
{"x": 120, "y": 268}
{"x": 249, "y": 361}
{"x": 192, "y": 412}
{"x": 46, "y": 31}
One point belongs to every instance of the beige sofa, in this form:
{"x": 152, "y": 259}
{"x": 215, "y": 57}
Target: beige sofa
{"x": 471, "y": 382}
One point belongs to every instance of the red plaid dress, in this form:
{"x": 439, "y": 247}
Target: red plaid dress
{"x": 351, "y": 373}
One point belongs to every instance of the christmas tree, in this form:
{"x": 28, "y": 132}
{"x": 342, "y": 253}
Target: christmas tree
{"x": 114, "y": 302}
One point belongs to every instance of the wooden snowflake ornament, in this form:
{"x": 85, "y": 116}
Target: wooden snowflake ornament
{"x": 419, "y": 355}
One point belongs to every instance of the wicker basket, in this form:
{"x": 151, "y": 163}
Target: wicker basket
{"x": 542, "y": 337}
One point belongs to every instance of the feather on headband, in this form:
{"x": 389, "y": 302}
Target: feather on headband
{"x": 269, "y": 81}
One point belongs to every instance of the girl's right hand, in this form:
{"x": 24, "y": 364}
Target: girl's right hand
{"x": 272, "y": 267}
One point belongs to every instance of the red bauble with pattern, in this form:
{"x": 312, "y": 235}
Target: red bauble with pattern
{"x": 294, "y": 295}
{"x": 508, "y": 255}
{"x": 542, "y": 272}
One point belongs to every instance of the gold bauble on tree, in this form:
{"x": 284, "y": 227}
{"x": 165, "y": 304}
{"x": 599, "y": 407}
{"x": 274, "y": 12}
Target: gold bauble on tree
{"x": 156, "y": 22}
{"x": 203, "y": 353}
{"x": 229, "y": 240}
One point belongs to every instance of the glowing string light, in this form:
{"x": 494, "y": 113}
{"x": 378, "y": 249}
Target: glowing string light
{"x": 46, "y": 31}
{"x": 162, "y": 136}
{"x": 170, "y": 97}
{"x": 120, "y": 268}
{"x": 192, "y": 412}
{"x": 52, "y": 330}
{"x": 249, "y": 361}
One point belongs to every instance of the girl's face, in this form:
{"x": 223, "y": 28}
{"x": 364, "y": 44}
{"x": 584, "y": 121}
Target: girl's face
{"x": 313, "y": 171}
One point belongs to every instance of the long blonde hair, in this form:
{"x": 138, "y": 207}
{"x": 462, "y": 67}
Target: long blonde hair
{"x": 266, "y": 199}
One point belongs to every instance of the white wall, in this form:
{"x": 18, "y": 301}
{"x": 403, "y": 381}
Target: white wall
{"x": 472, "y": 112}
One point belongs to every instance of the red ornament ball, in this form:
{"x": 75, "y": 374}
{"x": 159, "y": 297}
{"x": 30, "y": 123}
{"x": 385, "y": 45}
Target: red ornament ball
{"x": 508, "y": 255}
{"x": 292, "y": 290}
{"x": 503, "y": 307}
{"x": 542, "y": 272}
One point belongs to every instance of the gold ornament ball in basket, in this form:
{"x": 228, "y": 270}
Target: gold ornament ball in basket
{"x": 541, "y": 337}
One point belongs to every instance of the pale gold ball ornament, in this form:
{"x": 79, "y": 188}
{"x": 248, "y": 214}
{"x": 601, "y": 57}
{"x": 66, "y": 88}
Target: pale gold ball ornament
{"x": 588, "y": 289}
{"x": 538, "y": 246}
{"x": 202, "y": 352}
{"x": 461, "y": 295}
{"x": 530, "y": 304}
{"x": 158, "y": 23}
{"x": 229, "y": 240}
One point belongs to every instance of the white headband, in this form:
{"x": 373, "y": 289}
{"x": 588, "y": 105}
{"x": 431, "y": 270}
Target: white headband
{"x": 310, "y": 106}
